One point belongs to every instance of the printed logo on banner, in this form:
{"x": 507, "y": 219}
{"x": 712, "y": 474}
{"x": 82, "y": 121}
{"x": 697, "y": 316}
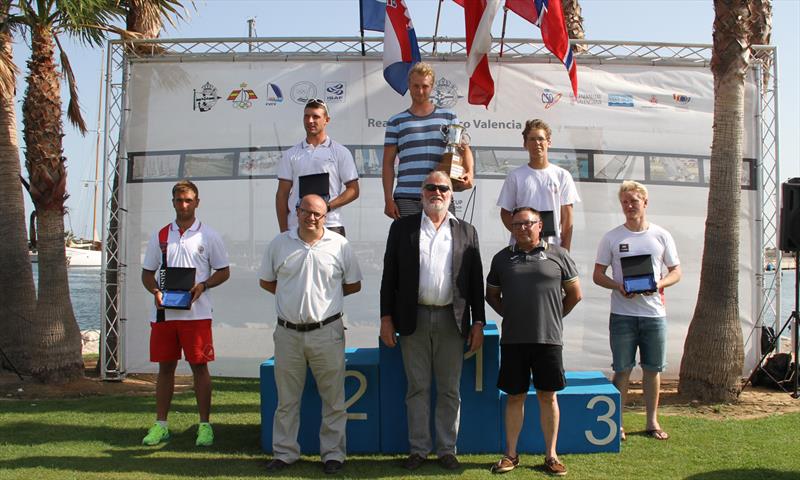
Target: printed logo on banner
{"x": 242, "y": 97}
{"x": 302, "y": 92}
{"x": 274, "y": 95}
{"x": 681, "y": 99}
{"x": 335, "y": 92}
{"x": 587, "y": 99}
{"x": 206, "y": 98}
{"x": 620, "y": 100}
{"x": 550, "y": 98}
{"x": 445, "y": 93}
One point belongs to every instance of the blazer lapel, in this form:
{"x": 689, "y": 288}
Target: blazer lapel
{"x": 458, "y": 248}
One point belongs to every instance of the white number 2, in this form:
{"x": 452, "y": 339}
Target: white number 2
{"x": 606, "y": 418}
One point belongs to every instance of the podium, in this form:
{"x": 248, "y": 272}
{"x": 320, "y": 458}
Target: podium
{"x": 375, "y": 388}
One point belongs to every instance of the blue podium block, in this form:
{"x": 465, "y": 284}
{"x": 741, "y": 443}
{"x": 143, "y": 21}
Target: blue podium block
{"x": 361, "y": 401}
{"x": 590, "y": 417}
{"x": 480, "y": 400}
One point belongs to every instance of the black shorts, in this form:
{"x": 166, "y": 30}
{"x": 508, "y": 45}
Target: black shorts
{"x": 522, "y": 361}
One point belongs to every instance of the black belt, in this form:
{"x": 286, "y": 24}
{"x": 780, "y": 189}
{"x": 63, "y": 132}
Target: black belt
{"x": 435, "y": 307}
{"x": 307, "y": 327}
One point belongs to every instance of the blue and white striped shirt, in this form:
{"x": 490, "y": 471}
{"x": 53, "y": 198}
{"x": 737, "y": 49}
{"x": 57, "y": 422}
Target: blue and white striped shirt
{"x": 420, "y": 146}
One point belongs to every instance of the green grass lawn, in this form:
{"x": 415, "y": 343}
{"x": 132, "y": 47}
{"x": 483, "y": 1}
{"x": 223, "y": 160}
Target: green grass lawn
{"x": 99, "y": 438}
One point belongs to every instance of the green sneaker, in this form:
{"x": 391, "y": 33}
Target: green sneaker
{"x": 156, "y": 435}
{"x": 205, "y": 435}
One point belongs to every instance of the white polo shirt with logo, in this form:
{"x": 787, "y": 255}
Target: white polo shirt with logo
{"x": 200, "y": 248}
{"x": 328, "y": 157}
{"x": 309, "y": 277}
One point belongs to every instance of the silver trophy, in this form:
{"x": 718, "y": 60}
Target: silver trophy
{"x": 454, "y": 136}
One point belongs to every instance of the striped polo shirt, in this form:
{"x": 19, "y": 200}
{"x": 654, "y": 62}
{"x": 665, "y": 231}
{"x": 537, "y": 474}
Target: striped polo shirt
{"x": 420, "y": 146}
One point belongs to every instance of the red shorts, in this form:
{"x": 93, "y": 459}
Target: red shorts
{"x": 167, "y": 339}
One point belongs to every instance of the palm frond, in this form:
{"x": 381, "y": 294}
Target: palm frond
{"x": 74, "y": 109}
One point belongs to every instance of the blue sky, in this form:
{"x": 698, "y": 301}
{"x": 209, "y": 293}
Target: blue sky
{"x": 672, "y": 21}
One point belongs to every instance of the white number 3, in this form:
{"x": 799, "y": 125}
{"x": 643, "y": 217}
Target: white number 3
{"x": 606, "y": 418}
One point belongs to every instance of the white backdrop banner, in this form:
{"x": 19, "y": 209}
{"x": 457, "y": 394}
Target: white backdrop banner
{"x": 223, "y": 125}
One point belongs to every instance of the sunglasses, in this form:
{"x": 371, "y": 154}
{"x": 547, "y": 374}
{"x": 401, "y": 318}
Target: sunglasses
{"x": 432, "y": 188}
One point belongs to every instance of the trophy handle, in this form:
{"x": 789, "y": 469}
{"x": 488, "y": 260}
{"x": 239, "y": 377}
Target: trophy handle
{"x": 465, "y": 138}
{"x": 443, "y": 129}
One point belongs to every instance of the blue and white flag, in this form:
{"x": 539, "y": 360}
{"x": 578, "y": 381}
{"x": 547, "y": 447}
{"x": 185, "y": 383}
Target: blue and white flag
{"x": 373, "y": 14}
{"x": 400, "y": 48}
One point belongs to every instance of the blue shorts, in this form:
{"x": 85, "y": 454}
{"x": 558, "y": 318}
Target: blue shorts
{"x": 648, "y": 334}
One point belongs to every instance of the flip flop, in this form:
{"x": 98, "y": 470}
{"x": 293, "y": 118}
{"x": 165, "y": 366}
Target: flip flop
{"x": 657, "y": 434}
{"x": 622, "y": 436}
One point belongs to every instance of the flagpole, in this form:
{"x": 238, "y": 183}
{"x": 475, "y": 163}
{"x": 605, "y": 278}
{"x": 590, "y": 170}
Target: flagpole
{"x": 361, "y": 25}
{"x": 436, "y": 27}
{"x": 503, "y": 34}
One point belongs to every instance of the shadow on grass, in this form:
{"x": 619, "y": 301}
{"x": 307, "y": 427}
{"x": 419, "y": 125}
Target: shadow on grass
{"x": 230, "y": 438}
{"x": 183, "y": 402}
{"x": 745, "y": 473}
{"x": 137, "y": 461}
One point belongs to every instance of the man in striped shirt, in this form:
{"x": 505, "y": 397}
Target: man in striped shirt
{"x": 414, "y": 136}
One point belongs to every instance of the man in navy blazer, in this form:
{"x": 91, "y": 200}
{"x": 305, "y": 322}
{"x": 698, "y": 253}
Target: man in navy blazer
{"x": 432, "y": 295}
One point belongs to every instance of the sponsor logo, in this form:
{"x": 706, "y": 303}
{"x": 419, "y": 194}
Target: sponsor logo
{"x": 200, "y": 249}
{"x": 445, "y": 94}
{"x": 624, "y": 247}
{"x": 620, "y": 100}
{"x": 681, "y": 99}
{"x": 653, "y": 100}
{"x": 587, "y": 99}
{"x": 335, "y": 92}
{"x": 550, "y": 98}
{"x": 205, "y": 99}
{"x": 242, "y": 97}
{"x": 274, "y": 95}
{"x": 302, "y": 92}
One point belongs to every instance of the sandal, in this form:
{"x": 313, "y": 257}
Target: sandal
{"x": 657, "y": 434}
{"x": 622, "y": 436}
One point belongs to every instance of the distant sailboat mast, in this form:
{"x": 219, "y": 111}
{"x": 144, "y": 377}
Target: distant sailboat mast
{"x": 95, "y": 236}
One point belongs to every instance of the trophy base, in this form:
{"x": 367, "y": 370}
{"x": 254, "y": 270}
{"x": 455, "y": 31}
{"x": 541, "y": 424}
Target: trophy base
{"x": 451, "y": 164}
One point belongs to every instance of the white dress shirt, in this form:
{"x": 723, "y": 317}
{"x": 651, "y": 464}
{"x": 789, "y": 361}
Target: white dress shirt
{"x": 435, "y": 262}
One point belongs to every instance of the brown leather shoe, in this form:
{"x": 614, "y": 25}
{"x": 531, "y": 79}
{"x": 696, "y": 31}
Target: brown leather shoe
{"x": 506, "y": 464}
{"x": 414, "y": 461}
{"x": 276, "y": 465}
{"x": 554, "y": 467}
{"x": 449, "y": 462}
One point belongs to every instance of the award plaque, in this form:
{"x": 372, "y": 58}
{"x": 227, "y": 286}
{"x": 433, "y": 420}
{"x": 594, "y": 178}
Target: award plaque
{"x": 452, "y": 163}
{"x": 177, "y": 284}
{"x": 637, "y": 274}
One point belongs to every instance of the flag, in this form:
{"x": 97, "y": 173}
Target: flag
{"x": 400, "y": 48}
{"x": 478, "y": 18}
{"x": 373, "y": 14}
{"x": 549, "y": 17}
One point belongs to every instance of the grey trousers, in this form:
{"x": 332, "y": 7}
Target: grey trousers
{"x": 435, "y": 349}
{"x": 323, "y": 351}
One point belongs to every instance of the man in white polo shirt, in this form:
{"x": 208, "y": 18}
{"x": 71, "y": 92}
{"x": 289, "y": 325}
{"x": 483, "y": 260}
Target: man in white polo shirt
{"x": 541, "y": 185}
{"x": 310, "y": 270}
{"x": 186, "y": 243}
{"x": 317, "y": 154}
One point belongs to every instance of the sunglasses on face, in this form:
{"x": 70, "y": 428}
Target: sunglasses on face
{"x": 432, "y": 188}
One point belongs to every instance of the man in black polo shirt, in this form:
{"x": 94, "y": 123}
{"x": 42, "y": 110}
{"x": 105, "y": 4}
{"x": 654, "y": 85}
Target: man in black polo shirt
{"x": 532, "y": 285}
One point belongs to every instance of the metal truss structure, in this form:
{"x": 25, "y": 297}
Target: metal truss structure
{"x": 122, "y": 54}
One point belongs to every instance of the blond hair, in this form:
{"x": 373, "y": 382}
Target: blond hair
{"x": 424, "y": 69}
{"x": 633, "y": 186}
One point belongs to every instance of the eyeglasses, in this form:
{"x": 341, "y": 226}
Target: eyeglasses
{"x": 432, "y": 188}
{"x": 309, "y": 213}
{"x": 526, "y": 224}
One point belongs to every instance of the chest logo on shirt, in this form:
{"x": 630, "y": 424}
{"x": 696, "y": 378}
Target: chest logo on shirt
{"x": 201, "y": 249}
{"x": 624, "y": 248}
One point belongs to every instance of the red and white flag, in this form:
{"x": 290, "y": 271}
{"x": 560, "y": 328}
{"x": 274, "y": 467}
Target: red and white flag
{"x": 548, "y": 15}
{"x": 478, "y": 18}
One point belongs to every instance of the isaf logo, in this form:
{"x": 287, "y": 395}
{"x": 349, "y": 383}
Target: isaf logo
{"x": 445, "y": 94}
{"x": 335, "y": 92}
{"x": 205, "y": 99}
{"x": 242, "y": 97}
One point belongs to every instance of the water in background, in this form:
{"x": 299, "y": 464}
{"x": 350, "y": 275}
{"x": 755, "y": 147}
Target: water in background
{"x": 84, "y": 289}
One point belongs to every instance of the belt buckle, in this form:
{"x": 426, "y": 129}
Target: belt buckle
{"x": 307, "y": 327}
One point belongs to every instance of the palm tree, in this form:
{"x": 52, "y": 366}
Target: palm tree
{"x": 713, "y": 357}
{"x": 17, "y": 294}
{"x": 574, "y": 21}
{"x": 760, "y": 34}
{"x": 56, "y": 356}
